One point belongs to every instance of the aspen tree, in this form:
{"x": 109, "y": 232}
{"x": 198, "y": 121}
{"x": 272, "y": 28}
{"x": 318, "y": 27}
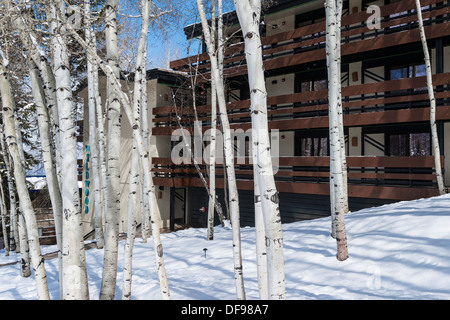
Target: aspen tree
{"x": 144, "y": 156}
{"x": 93, "y": 94}
{"x": 434, "y": 135}
{"x": 145, "y": 211}
{"x": 113, "y": 157}
{"x": 29, "y": 39}
{"x": 74, "y": 268}
{"x": 266, "y": 194}
{"x": 22, "y": 236}
{"x": 140, "y": 81}
{"x": 19, "y": 175}
{"x": 213, "y": 133}
{"x": 338, "y": 192}
{"x": 229, "y": 159}
{"x": 3, "y": 213}
{"x": 47, "y": 155}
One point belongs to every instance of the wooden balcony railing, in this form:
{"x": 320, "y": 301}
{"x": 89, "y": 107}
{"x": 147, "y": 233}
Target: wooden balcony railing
{"x": 393, "y": 101}
{"x": 306, "y": 44}
{"x": 394, "y": 178}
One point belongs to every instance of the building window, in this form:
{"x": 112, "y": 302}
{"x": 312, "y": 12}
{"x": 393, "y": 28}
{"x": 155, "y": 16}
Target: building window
{"x": 314, "y": 147}
{"x": 313, "y": 85}
{"x": 409, "y": 144}
{"x": 407, "y": 71}
{"x": 410, "y": 71}
{"x": 312, "y": 143}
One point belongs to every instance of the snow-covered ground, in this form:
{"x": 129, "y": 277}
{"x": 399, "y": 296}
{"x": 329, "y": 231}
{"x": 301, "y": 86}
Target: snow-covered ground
{"x": 398, "y": 251}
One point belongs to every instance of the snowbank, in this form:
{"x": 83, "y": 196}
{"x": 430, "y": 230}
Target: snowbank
{"x": 397, "y": 251}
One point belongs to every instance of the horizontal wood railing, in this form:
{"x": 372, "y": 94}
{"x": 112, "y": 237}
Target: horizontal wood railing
{"x": 392, "y": 101}
{"x": 306, "y": 44}
{"x": 368, "y": 176}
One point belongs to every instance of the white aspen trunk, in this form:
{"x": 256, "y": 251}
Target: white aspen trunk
{"x": 113, "y": 157}
{"x": 20, "y": 228}
{"x": 145, "y": 161}
{"x": 337, "y": 185}
{"x": 140, "y": 82}
{"x": 212, "y": 164}
{"x": 220, "y": 39}
{"x": 19, "y": 175}
{"x": 47, "y": 155}
{"x": 337, "y": 20}
{"x": 12, "y": 193}
{"x": 145, "y": 211}
{"x": 260, "y": 236}
{"x": 92, "y": 75}
{"x": 339, "y": 5}
{"x": 3, "y": 213}
{"x": 195, "y": 154}
{"x": 434, "y": 135}
{"x": 74, "y": 269}
{"x": 25, "y": 258}
{"x": 28, "y": 38}
{"x": 229, "y": 159}
{"x": 101, "y": 152}
{"x": 14, "y": 229}
{"x": 24, "y": 240}
{"x": 249, "y": 18}
{"x": 213, "y": 132}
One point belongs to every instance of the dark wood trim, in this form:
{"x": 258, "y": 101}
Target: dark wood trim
{"x": 357, "y": 191}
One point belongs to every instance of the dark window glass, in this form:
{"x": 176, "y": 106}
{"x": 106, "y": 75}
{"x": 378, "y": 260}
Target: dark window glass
{"x": 410, "y": 144}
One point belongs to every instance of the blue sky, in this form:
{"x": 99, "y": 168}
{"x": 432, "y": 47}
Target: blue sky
{"x": 161, "y": 44}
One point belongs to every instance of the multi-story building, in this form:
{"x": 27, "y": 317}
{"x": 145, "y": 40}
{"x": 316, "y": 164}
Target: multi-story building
{"x": 385, "y": 101}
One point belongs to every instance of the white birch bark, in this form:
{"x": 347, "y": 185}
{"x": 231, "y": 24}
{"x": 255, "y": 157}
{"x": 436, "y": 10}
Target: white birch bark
{"x": 249, "y": 18}
{"x": 337, "y": 185}
{"x": 260, "y": 239}
{"x": 145, "y": 211}
{"x": 28, "y": 38}
{"x": 229, "y": 158}
{"x": 337, "y": 20}
{"x": 20, "y": 228}
{"x": 339, "y": 5}
{"x": 212, "y": 164}
{"x": 3, "y": 213}
{"x": 12, "y": 193}
{"x": 19, "y": 175}
{"x": 145, "y": 161}
{"x": 25, "y": 258}
{"x": 434, "y": 135}
{"x": 113, "y": 157}
{"x": 213, "y": 132}
{"x": 47, "y": 155}
{"x": 92, "y": 76}
{"x": 101, "y": 150}
{"x": 140, "y": 82}
{"x": 74, "y": 269}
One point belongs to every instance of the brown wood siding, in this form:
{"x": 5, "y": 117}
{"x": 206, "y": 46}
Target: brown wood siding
{"x": 186, "y": 176}
{"x": 235, "y": 54}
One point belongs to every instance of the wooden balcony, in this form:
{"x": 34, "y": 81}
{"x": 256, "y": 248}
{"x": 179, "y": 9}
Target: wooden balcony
{"x": 389, "y": 178}
{"x": 307, "y": 44}
{"x": 386, "y": 102}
